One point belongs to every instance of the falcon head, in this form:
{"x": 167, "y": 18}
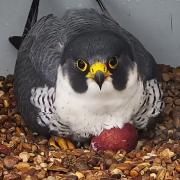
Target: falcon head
{"x": 96, "y": 57}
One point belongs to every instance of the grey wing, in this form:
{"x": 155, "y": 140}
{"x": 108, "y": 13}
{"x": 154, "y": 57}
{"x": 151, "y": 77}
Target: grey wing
{"x": 36, "y": 66}
{"x": 43, "y": 46}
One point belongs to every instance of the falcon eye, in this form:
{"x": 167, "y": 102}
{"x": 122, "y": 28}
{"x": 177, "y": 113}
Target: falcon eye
{"x": 113, "y": 62}
{"x": 82, "y": 65}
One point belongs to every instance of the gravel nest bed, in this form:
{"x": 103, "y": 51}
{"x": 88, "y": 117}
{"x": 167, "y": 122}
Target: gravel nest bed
{"x": 25, "y": 155}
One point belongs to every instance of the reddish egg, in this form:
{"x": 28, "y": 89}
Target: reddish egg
{"x": 116, "y": 138}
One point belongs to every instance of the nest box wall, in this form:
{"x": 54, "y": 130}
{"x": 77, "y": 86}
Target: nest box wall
{"x": 154, "y": 23}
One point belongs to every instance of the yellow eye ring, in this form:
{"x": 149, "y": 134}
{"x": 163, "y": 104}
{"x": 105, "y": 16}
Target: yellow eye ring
{"x": 81, "y": 65}
{"x": 113, "y": 62}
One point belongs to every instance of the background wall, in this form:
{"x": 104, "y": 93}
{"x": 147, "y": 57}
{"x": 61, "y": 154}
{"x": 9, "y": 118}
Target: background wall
{"x": 154, "y": 22}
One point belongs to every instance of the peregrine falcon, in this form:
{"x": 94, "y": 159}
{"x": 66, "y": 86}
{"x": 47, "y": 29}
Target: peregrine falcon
{"x": 82, "y": 73}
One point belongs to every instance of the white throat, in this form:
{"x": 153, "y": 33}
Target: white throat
{"x": 94, "y": 110}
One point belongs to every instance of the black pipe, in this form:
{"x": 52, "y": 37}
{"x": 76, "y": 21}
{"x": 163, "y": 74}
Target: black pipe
{"x": 103, "y": 8}
{"x": 31, "y": 20}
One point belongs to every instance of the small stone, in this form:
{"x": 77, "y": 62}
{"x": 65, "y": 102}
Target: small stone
{"x": 168, "y": 100}
{"x": 10, "y": 161}
{"x": 155, "y": 168}
{"x": 51, "y": 178}
{"x": 39, "y": 159}
{"x": 43, "y": 142}
{"x": 177, "y": 135}
{"x": 178, "y": 168}
{"x": 71, "y": 177}
{"x": 12, "y": 176}
{"x": 108, "y": 162}
{"x": 27, "y": 146}
{"x": 1, "y": 93}
{"x": 134, "y": 173}
{"x": 116, "y": 176}
{"x": 79, "y": 175}
{"x": 161, "y": 174}
{"x": 24, "y": 156}
{"x": 34, "y": 148}
{"x": 167, "y": 109}
{"x": 176, "y": 119}
{"x": 177, "y": 108}
{"x": 166, "y": 153}
{"x": 43, "y": 165}
{"x": 116, "y": 171}
{"x": 3, "y": 130}
{"x": 6, "y": 103}
{"x": 177, "y": 102}
{"x": 153, "y": 175}
{"x": 22, "y": 166}
{"x": 93, "y": 161}
{"x": 42, "y": 153}
{"x": 166, "y": 77}
{"x": 41, "y": 174}
{"x": 124, "y": 166}
{"x": 5, "y": 150}
{"x": 28, "y": 177}
{"x": 81, "y": 165}
{"x": 57, "y": 168}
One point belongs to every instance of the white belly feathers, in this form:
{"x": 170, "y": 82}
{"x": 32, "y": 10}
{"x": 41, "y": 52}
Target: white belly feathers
{"x": 90, "y": 112}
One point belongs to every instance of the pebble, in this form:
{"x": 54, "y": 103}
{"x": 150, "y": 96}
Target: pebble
{"x": 41, "y": 174}
{"x": 24, "y": 156}
{"x": 177, "y": 102}
{"x": 161, "y": 174}
{"x": 153, "y": 175}
{"x": 43, "y": 165}
{"x": 116, "y": 171}
{"x": 28, "y": 177}
{"x": 168, "y": 100}
{"x": 166, "y": 77}
{"x": 1, "y": 93}
{"x": 5, "y": 150}
{"x": 168, "y": 109}
{"x": 22, "y": 166}
{"x": 10, "y": 161}
{"x": 79, "y": 175}
{"x": 12, "y": 176}
{"x": 108, "y": 162}
{"x": 71, "y": 177}
{"x": 134, "y": 173}
{"x": 39, "y": 159}
{"x": 51, "y": 178}
{"x": 166, "y": 153}
{"x": 81, "y": 165}
{"x": 178, "y": 168}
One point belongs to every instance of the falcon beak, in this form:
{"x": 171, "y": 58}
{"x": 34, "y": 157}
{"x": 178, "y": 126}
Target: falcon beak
{"x": 98, "y": 72}
{"x": 99, "y": 77}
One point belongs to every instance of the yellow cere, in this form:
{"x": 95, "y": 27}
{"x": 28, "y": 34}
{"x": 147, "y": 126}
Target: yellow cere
{"x": 98, "y": 66}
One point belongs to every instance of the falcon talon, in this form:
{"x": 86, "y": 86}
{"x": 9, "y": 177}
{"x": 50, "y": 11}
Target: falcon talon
{"x": 52, "y": 142}
{"x": 60, "y": 142}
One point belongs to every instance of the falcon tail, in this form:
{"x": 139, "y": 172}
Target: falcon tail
{"x": 31, "y": 20}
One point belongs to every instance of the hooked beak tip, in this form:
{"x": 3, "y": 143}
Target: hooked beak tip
{"x": 99, "y": 78}
{"x": 100, "y": 87}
